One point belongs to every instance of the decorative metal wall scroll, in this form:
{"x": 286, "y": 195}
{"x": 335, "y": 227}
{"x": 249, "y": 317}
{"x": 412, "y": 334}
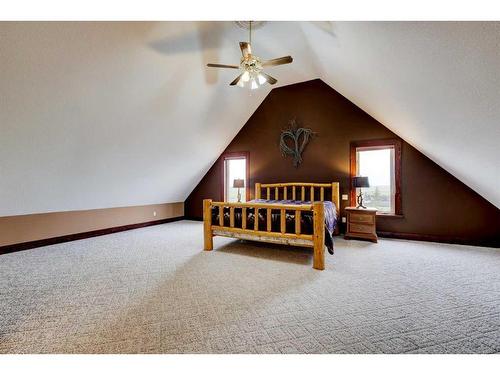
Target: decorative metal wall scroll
{"x": 294, "y": 140}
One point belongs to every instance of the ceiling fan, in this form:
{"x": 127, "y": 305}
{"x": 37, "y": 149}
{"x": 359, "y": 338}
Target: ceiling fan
{"x": 252, "y": 66}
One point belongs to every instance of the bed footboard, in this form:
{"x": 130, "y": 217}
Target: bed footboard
{"x": 315, "y": 240}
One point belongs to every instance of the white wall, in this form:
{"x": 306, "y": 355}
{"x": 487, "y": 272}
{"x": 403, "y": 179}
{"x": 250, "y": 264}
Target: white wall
{"x": 92, "y": 115}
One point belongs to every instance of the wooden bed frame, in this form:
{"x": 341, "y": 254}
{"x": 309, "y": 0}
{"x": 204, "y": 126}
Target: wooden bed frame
{"x": 315, "y": 240}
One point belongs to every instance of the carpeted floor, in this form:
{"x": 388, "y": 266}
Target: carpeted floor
{"x": 153, "y": 290}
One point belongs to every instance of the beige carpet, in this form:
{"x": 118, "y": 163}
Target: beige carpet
{"x": 152, "y": 290}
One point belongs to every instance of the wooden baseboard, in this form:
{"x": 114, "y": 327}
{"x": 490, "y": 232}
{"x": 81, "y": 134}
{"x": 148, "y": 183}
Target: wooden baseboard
{"x": 80, "y": 236}
{"x": 101, "y": 232}
{"x": 489, "y": 242}
{"x": 193, "y": 218}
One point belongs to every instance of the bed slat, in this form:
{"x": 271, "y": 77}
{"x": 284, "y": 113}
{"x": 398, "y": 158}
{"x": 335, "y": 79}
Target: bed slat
{"x": 221, "y": 215}
{"x": 256, "y": 219}
{"x": 297, "y": 222}
{"x": 231, "y": 217}
{"x": 283, "y": 221}
{"x": 244, "y": 218}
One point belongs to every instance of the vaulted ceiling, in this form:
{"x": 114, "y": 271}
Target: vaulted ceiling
{"x": 116, "y": 114}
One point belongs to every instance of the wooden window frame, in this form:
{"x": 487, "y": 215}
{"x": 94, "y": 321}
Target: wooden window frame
{"x": 235, "y": 155}
{"x": 379, "y": 143}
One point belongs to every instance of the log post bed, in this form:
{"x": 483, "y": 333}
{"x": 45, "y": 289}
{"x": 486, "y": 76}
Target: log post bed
{"x": 314, "y": 192}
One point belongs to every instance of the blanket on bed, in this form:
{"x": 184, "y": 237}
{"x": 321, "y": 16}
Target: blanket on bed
{"x": 306, "y": 218}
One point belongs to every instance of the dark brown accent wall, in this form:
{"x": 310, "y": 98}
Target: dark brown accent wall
{"x": 436, "y": 206}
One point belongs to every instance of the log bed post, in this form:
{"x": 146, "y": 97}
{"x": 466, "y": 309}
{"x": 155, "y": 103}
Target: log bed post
{"x": 257, "y": 190}
{"x": 319, "y": 235}
{"x": 335, "y": 195}
{"x": 208, "y": 243}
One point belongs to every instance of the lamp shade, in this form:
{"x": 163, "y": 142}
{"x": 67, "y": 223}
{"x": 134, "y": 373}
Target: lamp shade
{"x": 360, "y": 182}
{"x": 238, "y": 183}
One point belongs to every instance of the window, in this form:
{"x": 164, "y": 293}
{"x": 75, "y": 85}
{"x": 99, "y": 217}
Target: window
{"x": 235, "y": 167}
{"x": 380, "y": 161}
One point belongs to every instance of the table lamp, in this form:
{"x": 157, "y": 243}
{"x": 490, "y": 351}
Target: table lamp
{"x": 360, "y": 182}
{"x": 239, "y": 183}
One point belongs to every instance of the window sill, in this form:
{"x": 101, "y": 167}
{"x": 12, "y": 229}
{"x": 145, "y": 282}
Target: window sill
{"x": 390, "y": 216}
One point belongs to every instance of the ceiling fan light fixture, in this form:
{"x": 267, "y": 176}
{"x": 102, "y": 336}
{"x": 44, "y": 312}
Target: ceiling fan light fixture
{"x": 261, "y": 79}
{"x": 245, "y": 77}
{"x": 254, "y": 84}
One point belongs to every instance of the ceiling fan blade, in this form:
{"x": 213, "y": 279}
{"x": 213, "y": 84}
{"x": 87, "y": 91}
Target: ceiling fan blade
{"x": 246, "y": 49}
{"x": 269, "y": 79}
{"x": 278, "y": 61}
{"x": 236, "y": 80}
{"x": 223, "y": 66}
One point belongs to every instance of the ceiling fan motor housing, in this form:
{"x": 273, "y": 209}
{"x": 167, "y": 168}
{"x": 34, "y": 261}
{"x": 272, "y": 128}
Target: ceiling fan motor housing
{"x": 251, "y": 64}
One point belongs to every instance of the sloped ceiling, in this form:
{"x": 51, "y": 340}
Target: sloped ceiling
{"x": 97, "y": 115}
{"x": 435, "y": 84}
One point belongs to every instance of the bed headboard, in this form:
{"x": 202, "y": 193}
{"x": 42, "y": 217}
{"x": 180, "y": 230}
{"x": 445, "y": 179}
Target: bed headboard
{"x": 299, "y": 191}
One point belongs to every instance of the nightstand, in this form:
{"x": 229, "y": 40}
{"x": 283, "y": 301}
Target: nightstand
{"x": 361, "y": 223}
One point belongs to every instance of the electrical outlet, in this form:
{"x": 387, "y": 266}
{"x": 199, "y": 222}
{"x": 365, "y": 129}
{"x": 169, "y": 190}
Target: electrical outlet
{"x": 154, "y": 213}
{"x": 345, "y": 197}
{"x": 344, "y": 219}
